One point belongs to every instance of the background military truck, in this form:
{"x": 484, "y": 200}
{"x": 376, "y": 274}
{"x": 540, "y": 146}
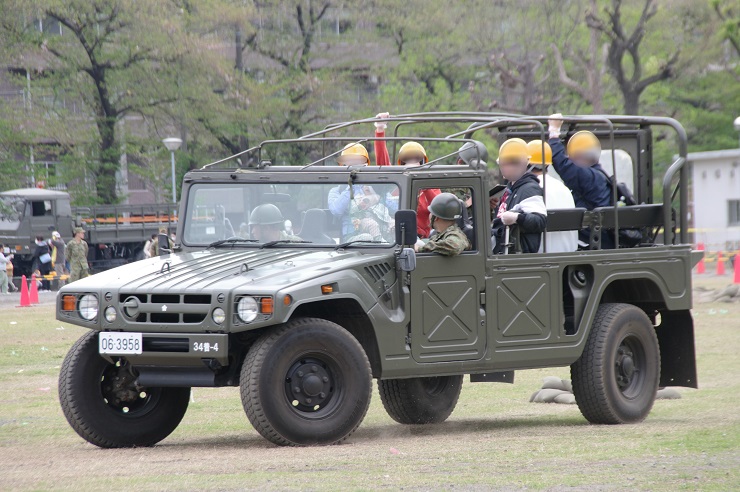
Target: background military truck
{"x": 115, "y": 233}
{"x": 303, "y": 322}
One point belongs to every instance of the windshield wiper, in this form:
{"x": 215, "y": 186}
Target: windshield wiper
{"x": 232, "y": 241}
{"x": 282, "y": 241}
{"x": 355, "y": 241}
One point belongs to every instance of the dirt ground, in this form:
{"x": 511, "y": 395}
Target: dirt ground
{"x": 495, "y": 439}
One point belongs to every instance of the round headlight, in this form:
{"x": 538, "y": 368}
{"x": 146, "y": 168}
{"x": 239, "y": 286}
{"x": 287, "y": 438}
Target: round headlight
{"x": 110, "y": 314}
{"x": 247, "y": 309}
{"x": 219, "y": 316}
{"x": 88, "y": 306}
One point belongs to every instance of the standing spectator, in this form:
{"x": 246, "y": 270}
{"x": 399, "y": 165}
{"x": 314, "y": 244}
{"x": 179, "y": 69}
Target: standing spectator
{"x": 42, "y": 262}
{"x": 77, "y": 255}
{"x": 4, "y": 262}
{"x": 148, "y": 245}
{"x": 59, "y": 260}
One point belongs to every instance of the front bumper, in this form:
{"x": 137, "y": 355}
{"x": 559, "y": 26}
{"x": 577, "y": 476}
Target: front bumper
{"x": 209, "y": 350}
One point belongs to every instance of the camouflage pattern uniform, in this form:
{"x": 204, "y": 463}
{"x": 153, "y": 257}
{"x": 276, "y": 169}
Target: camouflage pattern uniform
{"x": 451, "y": 242}
{"x": 77, "y": 256}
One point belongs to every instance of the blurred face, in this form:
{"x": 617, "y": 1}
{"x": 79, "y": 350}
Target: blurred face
{"x": 265, "y": 233}
{"x": 413, "y": 160}
{"x": 351, "y": 160}
{"x": 513, "y": 168}
{"x": 584, "y": 159}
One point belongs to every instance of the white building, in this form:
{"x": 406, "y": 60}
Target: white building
{"x": 715, "y": 177}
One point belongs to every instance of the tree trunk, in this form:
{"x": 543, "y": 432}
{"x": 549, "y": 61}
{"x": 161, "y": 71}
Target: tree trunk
{"x": 105, "y": 176}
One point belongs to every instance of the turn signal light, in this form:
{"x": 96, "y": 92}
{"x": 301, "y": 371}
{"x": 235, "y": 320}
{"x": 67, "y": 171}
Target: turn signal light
{"x": 327, "y": 289}
{"x": 266, "y": 305}
{"x": 69, "y": 303}
{"x": 287, "y": 299}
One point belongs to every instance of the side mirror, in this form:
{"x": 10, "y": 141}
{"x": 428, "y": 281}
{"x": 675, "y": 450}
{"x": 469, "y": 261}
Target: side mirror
{"x": 406, "y": 227}
{"x": 163, "y": 243}
{"x": 407, "y": 260}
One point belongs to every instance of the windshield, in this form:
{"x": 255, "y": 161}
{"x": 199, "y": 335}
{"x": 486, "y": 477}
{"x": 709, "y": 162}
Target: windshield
{"x": 290, "y": 214}
{"x": 11, "y": 208}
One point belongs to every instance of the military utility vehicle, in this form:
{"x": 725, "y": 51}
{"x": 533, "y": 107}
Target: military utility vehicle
{"x": 116, "y": 233}
{"x": 298, "y": 284}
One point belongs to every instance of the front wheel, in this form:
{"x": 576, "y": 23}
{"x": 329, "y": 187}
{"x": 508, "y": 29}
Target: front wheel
{"x": 616, "y": 378}
{"x": 307, "y": 382}
{"x": 420, "y": 400}
{"x": 105, "y": 406}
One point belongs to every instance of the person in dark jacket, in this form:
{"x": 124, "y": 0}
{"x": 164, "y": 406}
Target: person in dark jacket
{"x": 42, "y": 261}
{"x": 581, "y": 172}
{"x": 522, "y": 207}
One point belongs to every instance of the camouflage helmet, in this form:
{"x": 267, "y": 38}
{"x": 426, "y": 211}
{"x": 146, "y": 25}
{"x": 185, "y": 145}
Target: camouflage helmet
{"x": 266, "y": 214}
{"x": 472, "y": 151}
{"x": 446, "y": 206}
{"x": 79, "y": 230}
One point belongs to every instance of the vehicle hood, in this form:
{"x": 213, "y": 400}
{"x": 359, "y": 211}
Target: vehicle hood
{"x": 261, "y": 270}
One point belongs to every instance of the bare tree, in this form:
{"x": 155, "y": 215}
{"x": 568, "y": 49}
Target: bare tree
{"x": 624, "y": 52}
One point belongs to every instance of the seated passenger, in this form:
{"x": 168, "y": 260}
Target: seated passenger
{"x": 557, "y": 196}
{"x": 266, "y": 224}
{"x": 522, "y": 205}
{"x": 362, "y": 211}
{"x": 411, "y": 154}
{"x": 450, "y": 240}
{"x": 581, "y": 172}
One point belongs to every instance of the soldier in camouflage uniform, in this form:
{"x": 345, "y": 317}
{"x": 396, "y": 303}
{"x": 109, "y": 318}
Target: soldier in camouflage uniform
{"x": 77, "y": 256}
{"x": 445, "y": 211}
{"x": 266, "y": 223}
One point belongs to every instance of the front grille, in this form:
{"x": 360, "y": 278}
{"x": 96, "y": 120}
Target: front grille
{"x": 164, "y": 308}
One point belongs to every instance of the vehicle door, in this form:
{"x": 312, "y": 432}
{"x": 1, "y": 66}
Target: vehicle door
{"x": 447, "y": 319}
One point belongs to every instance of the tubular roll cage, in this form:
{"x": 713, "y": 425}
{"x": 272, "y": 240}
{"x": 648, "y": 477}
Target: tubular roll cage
{"x": 498, "y": 121}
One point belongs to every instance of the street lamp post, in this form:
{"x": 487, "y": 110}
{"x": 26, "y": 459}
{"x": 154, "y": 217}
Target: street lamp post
{"x": 736, "y": 124}
{"x": 172, "y": 144}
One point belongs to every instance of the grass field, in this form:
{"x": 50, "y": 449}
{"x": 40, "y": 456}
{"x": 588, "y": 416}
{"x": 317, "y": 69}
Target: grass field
{"x": 495, "y": 439}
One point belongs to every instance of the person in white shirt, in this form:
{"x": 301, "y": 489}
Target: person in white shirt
{"x": 557, "y": 196}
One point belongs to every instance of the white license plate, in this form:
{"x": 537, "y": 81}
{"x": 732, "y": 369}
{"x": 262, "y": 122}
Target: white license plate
{"x": 115, "y": 343}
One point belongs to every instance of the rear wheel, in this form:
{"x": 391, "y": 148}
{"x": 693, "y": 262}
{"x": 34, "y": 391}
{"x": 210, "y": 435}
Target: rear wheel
{"x": 105, "y": 406}
{"x": 307, "y": 382}
{"x": 420, "y": 400}
{"x": 616, "y": 378}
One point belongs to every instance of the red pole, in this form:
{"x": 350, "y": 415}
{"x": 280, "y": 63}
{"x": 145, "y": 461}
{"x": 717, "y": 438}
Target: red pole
{"x": 736, "y": 279}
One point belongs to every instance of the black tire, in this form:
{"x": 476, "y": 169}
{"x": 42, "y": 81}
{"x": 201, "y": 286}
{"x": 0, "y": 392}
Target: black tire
{"x": 616, "y": 378}
{"x": 327, "y": 366}
{"x": 112, "y": 417}
{"x": 420, "y": 400}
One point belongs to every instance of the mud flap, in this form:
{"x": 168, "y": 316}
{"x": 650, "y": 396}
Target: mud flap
{"x": 677, "y": 354}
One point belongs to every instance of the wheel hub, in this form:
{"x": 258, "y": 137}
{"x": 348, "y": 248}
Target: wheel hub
{"x": 120, "y": 391}
{"x": 626, "y": 367}
{"x": 309, "y": 385}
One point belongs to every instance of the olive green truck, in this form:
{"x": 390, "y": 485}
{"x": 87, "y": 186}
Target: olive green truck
{"x": 303, "y": 321}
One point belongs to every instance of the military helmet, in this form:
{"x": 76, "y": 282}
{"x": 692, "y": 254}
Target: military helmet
{"x": 446, "y": 206}
{"x": 266, "y": 214}
{"x": 78, "y": 230}
{"x": 471, "y": 151}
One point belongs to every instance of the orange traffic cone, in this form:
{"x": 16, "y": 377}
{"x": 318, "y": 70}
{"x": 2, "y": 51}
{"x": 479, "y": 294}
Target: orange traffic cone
{"x": 34, "y": 294}
{"x": 736, "y": 279}
{"x": 720, "y": 264}
{"x": 25, "y": 301}
{"x": 700, "y": 268}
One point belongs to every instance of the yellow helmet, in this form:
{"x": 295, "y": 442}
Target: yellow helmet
{"x": 514, "y": 148}
{"x": 349, "y": 153}
{"x": 410, "y": 149}
{"x": 584, "y": 142}
{"x": 535, "y": 153}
